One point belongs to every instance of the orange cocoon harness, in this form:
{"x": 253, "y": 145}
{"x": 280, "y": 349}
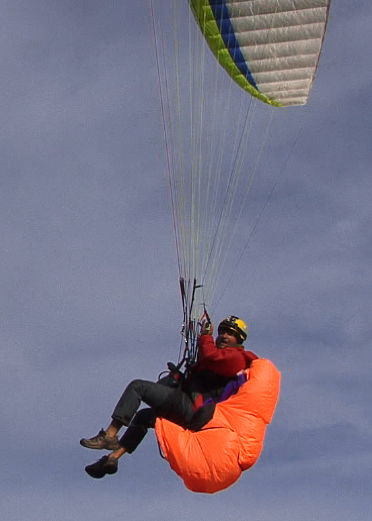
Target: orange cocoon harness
{"x": 213, "y": 458}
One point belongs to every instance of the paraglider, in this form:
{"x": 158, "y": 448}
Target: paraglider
{"x": 270, "y": 49}
{"x": 188, "y": 402}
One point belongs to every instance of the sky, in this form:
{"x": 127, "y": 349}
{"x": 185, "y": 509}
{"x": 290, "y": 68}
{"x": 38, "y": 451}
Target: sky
{"x": 89, "y": 281}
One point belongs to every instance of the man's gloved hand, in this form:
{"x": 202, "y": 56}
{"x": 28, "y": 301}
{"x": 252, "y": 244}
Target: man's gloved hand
{"x": 206, "y": 328}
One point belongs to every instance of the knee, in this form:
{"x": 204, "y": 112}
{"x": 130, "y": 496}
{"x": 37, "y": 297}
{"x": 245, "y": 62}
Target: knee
{"x": 136, "y": 383}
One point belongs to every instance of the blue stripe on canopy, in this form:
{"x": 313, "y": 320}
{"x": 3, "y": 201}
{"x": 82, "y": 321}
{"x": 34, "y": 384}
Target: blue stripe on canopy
{"x": 222, "y": 17}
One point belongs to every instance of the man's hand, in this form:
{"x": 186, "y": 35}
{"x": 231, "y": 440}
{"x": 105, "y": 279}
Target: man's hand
{"x": 207, "y": 328}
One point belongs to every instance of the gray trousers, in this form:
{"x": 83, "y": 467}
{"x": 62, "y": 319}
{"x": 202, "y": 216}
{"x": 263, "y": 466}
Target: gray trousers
{"x": 165, "y": 402}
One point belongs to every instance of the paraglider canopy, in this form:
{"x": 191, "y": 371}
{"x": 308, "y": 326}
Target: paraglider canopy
{"x": 270, "y": 48}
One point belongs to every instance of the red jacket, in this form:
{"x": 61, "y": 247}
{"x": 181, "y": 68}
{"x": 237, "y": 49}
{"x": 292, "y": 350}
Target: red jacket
{"x": 214, "y": 369}
{"x": 226, "y": 361}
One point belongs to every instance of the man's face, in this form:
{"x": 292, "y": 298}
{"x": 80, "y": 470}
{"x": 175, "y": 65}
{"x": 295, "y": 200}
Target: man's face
{"x": 226, "y": 338}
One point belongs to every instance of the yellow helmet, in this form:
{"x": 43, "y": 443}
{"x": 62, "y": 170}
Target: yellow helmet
{"x": 236, "y": 325}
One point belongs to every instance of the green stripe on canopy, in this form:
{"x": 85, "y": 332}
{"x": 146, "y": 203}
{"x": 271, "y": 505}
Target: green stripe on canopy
{"x": 204, "y": 16}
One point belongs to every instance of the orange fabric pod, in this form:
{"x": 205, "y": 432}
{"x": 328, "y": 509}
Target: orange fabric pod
{"x": 213, "y": 458}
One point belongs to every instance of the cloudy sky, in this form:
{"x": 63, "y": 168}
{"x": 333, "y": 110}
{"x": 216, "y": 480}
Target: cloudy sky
{"x": 89, "y": 291}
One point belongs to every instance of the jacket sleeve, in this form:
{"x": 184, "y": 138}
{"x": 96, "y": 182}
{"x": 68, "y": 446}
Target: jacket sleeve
{"x": 225, "y": 362}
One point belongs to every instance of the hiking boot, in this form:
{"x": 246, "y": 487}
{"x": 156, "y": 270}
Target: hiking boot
{"x": 101, "y": 441}
{"x": 103, "y": 466}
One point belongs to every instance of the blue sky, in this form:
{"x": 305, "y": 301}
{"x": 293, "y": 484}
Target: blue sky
{"x": 89, "y": 279}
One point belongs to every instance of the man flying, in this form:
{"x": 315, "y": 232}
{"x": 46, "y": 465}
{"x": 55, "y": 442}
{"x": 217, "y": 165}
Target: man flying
{"x": 190, "y": 405}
